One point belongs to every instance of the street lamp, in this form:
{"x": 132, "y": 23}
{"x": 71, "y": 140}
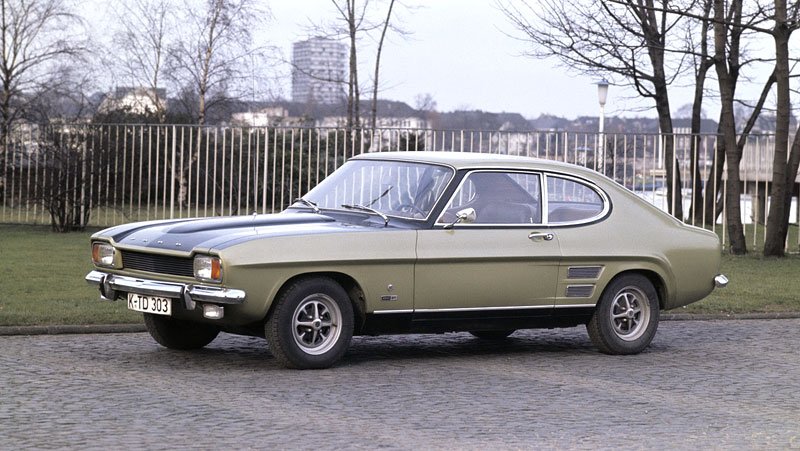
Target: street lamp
{"x": 602, "y": 95}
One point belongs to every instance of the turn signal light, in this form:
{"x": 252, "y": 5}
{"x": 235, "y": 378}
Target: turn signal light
{"x": 103, "y": 254}
{"x": 208, "y": 268}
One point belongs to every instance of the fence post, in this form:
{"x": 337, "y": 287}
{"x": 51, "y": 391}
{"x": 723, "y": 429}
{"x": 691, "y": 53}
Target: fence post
{"x": 84, "y": 153}
{"x": 172, "y": 172}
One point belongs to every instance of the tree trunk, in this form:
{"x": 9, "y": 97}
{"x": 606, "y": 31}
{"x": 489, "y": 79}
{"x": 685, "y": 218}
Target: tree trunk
{"x": 353, "y": 100}
{"x": 671, "y": 164}
{"x": 712, "y": 206}
{"x": 728, "y": 127}
{"x": 782, "y": 176}
{"x": 654, "y": 33}
{"x": 696, "y": 210}
{"x": 374, "y": 112}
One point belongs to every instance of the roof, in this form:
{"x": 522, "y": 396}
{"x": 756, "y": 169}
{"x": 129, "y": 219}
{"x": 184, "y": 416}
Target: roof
{"x": 468, "y": 160}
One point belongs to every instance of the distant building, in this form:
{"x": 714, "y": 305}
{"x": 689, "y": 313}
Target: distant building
{"x": 135, "y": 100}
{"x": 318, "y": 71}
{"x": 271, "y": 116}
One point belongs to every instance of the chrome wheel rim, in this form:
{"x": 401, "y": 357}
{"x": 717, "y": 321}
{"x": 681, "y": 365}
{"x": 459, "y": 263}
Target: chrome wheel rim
{"x": 630, "y": 313}
{"x": 316, "y": 324}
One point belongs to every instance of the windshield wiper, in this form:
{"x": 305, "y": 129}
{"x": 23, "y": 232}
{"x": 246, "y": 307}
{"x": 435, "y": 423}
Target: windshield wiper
{"x": 369, "y": 209}
{"x": 308, "y": 203}
{"x": 383, "y": 194}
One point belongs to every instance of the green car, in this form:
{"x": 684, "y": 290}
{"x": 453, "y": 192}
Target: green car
{"x": 415, "y": 242}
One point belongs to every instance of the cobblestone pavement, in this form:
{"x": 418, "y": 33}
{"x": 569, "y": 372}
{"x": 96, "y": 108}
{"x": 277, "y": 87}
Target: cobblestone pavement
{"x": 702, "y": 384}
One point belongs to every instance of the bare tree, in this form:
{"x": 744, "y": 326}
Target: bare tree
{"x": 385, "y": 27}
{"x": 34, "y": 48}
{"x": 141, "y": 48}
{"x": 210, "y": 61}
{"x": 426, "y": 104}
{"x": 731, "y": 22}
{"x": 724, "y": 65}
{"x": 213, "y": 52}
{"x": 354, "y": 20}
{"x": 627, "y": 38}
{"x": 65, "y": 98}
{"x": 785, "y": 163}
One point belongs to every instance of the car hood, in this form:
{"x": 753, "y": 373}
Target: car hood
{"x": 205, "y": 234}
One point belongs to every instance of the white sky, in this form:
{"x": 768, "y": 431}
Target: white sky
{"x": 459, "y": 53}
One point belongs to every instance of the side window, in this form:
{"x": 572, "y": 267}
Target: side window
{"x": 569, "y": 201}
{"x": 498, "y": 198}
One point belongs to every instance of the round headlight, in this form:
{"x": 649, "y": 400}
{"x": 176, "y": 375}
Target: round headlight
{"x": 208, "y": 268}
{"x": 103, "y": 254}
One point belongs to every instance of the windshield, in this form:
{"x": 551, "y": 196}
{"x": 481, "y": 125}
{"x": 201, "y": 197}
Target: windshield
{"x": 392, "y": 188}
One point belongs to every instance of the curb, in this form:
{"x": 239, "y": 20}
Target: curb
{"x": 729, "y": 316}
{"x": 72, "y": 329}
{"x": 137, "y": 328}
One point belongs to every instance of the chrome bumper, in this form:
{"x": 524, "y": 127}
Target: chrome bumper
{"x": 110, "y": 284}
{"x": 720, "y": 281}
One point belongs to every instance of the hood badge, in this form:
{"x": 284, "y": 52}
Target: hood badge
{"x": 160, "y": 242}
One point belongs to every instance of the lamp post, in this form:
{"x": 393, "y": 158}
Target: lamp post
{"x": 602, "y": 95}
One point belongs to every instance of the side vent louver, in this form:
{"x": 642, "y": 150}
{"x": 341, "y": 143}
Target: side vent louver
{"x": 579, "y": 291}
{"x": 584, "y": 272}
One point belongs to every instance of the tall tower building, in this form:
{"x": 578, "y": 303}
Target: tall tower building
{"x": 318, "y": 71}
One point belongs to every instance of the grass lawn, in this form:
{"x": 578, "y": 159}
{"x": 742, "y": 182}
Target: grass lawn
{"x": 42, "y": 282}
{"x": 757, "y": 285}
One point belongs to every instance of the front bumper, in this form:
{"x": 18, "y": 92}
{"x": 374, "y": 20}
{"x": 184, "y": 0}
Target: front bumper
{"x": 111, "y": 284}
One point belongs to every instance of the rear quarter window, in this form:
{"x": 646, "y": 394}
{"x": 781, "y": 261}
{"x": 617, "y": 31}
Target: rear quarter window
{"x": 572, "y": 201}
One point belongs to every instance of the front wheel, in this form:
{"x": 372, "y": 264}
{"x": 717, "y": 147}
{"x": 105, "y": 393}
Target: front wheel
{"x": 626, "y": 318}
{"x": 311, "y": 325}
{"x": 176, "y": 334}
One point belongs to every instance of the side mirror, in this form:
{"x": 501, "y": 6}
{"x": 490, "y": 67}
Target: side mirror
{"x": 467, "y": 216}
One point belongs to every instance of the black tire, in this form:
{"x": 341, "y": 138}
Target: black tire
{"x": 311, "y": 324}
{"x": 492, "y": 334}
{"x": 176, "y": 334}
{"x": 626, "y": 318}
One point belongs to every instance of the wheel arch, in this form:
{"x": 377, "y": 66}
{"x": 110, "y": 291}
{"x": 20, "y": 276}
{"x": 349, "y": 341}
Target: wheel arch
{"x": 347, "y": 282}
{"x": 654, "y": 277}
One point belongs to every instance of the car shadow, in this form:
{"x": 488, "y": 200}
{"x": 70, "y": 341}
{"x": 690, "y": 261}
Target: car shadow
{"x": 231, "y": 351}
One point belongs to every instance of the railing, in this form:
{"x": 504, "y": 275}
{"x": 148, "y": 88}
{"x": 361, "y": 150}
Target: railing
{"x": 101, "y": 175}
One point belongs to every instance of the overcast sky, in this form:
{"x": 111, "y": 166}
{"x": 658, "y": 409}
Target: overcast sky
{"x": 459, "y": 52}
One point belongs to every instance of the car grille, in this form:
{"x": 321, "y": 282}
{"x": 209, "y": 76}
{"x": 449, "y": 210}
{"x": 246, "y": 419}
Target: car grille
{"x": 162, "y": 264}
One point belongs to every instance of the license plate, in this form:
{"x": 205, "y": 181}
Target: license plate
{"x": 150, "y": 304}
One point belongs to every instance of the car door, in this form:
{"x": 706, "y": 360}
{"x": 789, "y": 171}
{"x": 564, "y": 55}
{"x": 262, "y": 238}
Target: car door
{"x": 499, "y": 262}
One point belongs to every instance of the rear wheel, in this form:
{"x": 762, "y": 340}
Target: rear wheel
{"x": 492, "y": 334}
{"x": 311, "y": 325}
{"x": 626, "y": 318}
{"x": 176, "y": 334}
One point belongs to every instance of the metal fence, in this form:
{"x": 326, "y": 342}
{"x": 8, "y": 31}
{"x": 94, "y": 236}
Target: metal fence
{"x": 101, "y": 175}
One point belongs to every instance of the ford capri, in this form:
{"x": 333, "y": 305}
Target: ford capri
{"x": 415, "y": 242}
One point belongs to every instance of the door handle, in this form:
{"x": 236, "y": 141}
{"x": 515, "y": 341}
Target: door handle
{"x": 537, "y": 236}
